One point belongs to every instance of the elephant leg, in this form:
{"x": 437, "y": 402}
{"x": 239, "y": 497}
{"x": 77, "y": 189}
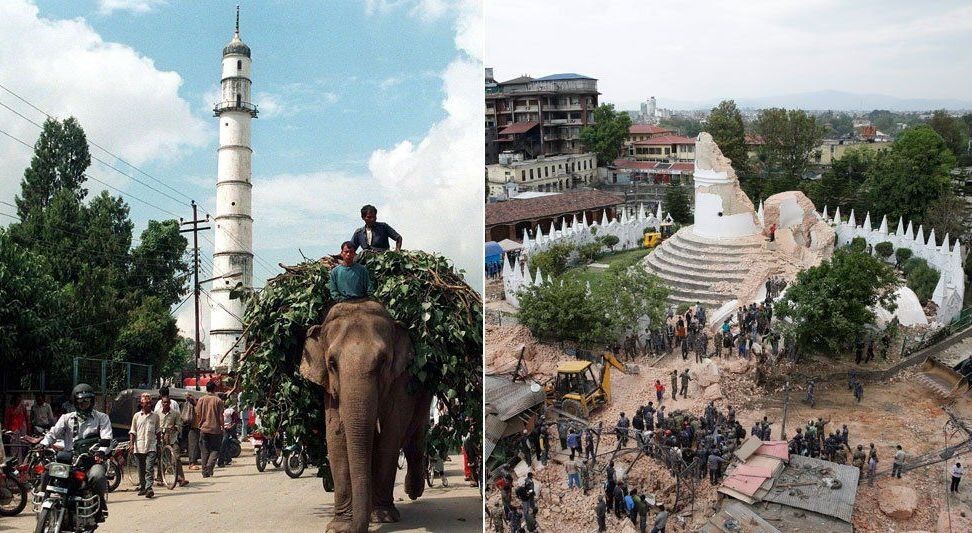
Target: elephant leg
{"x": 394, "y": 415}
{"x": 414, "y": 446}
{"x": 337, "y": 456}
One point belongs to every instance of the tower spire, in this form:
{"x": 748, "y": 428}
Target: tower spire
{"x": 237, "y": 19}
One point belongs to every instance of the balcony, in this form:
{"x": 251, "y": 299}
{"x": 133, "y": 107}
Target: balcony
{"x": 246, "y": 107}
{"x": 562, "y": 121}
{"x": 527, "y": 109}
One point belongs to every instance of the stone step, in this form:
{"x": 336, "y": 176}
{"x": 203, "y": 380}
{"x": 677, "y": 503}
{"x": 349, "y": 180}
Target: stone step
{"x": 749, "y": 240}
{"x": 708, "y": 303}
{"x": 673, "y": 277}
{"x": 680, "y": 287}
{"x": 711, "y": 253}
{"x": 704, "y": 260}
{"x": 664, "y": 260}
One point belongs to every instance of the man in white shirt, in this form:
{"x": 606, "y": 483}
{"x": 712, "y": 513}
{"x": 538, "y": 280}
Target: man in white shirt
{"x": 230, "y": 420}
{"x": 957, "y": 473}
{"x": 163, "y": 394}
{"x": 143, "y": 436}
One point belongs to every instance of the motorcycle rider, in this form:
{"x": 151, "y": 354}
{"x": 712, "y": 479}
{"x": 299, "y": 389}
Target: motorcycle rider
{"x": 84, "y": 423}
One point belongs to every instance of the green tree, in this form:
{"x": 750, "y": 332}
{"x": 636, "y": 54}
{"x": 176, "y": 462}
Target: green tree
{"x": 610, "y": 241}
{"x": 950, "y": 215}
{"x": 790, "y": 139}
{"x": 677, "y": 204}
{"x": 566, "y": 311}
{"x": 590, "y": 251}
{"x": 905, "y": 180}
{"x": 831, "y": 304}
{"x": 841, "y": 183}
{"x": 149, "y": 336}
{"x": 159, "y": 266}
{"x": 607, "y": 135}
{"x": 32, "y": 320}
{"x": 60, "y": 159}
{"x": 552, "y": 261}
{"x": 725, "y": 124}
{"x": 837, "y": 124}
{"x": 687, "y": 126}
{"x": 952, "y": 130}
{"x": 884, "y": 249}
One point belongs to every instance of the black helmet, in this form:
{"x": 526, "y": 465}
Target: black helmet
{"x": 82, "y": 391}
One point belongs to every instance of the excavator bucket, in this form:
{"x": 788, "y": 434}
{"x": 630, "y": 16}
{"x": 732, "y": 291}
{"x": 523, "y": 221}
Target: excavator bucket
{"x": 942, "y": 379}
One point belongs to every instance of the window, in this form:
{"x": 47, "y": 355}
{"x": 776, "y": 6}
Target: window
{"x": 239, "y": 64}
{"x": 239, "y": 100}
{"x": 522, "y": 175}
{"x": 546, "y": 172}
{"x": 531, "y": 173}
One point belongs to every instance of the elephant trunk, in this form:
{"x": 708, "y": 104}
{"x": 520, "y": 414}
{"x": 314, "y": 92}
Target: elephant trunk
{"x": 359, "y": 412}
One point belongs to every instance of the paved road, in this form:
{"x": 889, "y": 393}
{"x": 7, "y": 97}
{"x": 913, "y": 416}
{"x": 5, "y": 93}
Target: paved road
{"x": 239, "y": 498}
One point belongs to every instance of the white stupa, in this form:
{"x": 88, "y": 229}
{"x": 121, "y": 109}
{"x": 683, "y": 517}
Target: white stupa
{"x": 725, "y": 255}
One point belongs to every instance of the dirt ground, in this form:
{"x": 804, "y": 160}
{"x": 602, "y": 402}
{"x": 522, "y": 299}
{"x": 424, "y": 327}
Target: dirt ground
{"x": 896, "y": 411}
{"x": 239, "y": 498}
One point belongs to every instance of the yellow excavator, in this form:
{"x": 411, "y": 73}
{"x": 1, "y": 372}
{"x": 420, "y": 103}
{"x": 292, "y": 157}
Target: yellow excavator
{"x": 577, "y": 391}
{"x": 653, "y": 238}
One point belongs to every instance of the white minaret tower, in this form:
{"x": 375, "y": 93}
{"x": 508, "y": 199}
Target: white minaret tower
{"x": 233, "y": 254}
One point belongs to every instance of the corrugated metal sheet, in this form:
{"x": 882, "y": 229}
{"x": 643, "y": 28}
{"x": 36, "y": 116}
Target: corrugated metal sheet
{"x": 747, "y": 448}
{"x": 507, "y": 399}
{"x": 735, "y": 517}
{"x": 788, "y": 488}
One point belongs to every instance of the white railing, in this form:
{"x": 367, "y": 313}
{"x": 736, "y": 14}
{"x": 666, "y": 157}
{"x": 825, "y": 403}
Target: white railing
{"x": 946, "y": 258}
{"x": 629, "y": 228}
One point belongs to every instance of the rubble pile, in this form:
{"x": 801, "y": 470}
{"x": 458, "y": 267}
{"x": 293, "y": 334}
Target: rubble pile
{"x": 503, "y": 348}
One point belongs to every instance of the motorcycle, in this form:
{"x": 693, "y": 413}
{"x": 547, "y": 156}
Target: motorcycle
{"x": 117, "y": 455}
{"x": 65, "y": 501}
{"x": 266, "y": 451}
{"x": 13, "y": 492}
{"x": 295, "y": 460}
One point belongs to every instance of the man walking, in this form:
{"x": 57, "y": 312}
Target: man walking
{"x": 660, "y": 521}
{"x": 573, "y": 476}
{"x": 674, "y": 384}
{"x": 143, "y": 436}
{"x": 685, "y": 381}
{"x": 170, "y": 424}
{"x": 600, "y": 512}
{"x": 231, "y": 419}
{"x": 191, "y": 421}
{"x": 899, "y": 457}
{"x": 210, "y": 412}
{"x": 957, "y": 473}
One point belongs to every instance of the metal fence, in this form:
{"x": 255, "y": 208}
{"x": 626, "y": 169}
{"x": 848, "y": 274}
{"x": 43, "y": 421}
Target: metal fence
{"x": 111, "y": 376}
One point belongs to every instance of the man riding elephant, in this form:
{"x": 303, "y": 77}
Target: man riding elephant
{"x": 360, "y": 355}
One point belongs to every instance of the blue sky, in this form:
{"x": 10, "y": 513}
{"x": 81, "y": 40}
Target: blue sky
{"x": 361, "y": 102}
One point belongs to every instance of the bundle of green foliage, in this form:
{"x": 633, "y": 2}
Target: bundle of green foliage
{"x": 902, "y": 254}
{"x": 610, "y": 241}
{"x": 922, "y": 278}
{"x": 677, "y": 204}
{"x": 858, "y": 244}
{"x": 421, "y": 291}
{"x": 564, "y": 310}
{"x": 553, "y": 260}
{"x": 884, "y": 249}
{"x": 830, "y": 305}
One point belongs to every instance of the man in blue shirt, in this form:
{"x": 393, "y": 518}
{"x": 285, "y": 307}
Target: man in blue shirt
{"x": 374, "y": 235}
{"x": 349, "y": 280}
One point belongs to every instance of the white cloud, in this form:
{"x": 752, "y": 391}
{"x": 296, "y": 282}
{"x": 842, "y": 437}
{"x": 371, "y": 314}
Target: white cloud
{"x": 426, "y": 10}
{"x": 135, "y": 6}
{"x": 389, "y": 82}
{"x": 433, "y": 188}
{"x": 271, "y": 106}
{"x": 121, "y": 99}
{"x": 711, "y": 49}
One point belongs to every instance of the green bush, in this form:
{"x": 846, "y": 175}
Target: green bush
{"x": 553, "y": 260}
{"x": 649, "y": 229}
{"x": 884, "y": 249}
{"x": 902, "y": 254}
{"x": 911, "y": 264}
{"x": 610, "y": 241}
{"x": 590, "y": 251}
{"x": 858, "y": 244}
{"x": 923, "y": 280}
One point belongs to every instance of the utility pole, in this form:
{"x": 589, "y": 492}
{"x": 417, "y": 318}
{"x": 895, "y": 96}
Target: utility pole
{"x": 195, "y": 273}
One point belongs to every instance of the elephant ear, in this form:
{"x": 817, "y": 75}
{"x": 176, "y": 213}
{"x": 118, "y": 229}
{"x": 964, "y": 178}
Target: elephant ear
{"x": 402, "y": 352}
{"x": 313, "y": 363}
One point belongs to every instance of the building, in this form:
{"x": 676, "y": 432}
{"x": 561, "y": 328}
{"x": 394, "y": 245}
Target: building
{"x": 671, "y": 148}
{"x": 508, "y": 220}
{"x": 233, "y": 247}
{"x": 539, "y": 116}
{"x": 545, "y": 174}
{"x": 643, "y": 132}
{"x": 831, "y": 150}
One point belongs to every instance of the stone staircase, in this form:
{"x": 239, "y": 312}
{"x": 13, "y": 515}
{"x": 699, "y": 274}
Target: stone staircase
{"x": 692, "y": 266}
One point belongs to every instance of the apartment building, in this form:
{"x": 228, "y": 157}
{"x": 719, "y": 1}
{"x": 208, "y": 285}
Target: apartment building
{"x": 538, "y": 116}
{"x": 671, "y": 148}
{"x": 543, "y": 174}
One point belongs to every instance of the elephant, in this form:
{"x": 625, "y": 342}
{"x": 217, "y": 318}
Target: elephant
{"x": 373, "y": 409}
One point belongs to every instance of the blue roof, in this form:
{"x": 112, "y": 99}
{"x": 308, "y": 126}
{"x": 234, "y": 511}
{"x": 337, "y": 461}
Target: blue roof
{"x": 567, "y": 76}
{"x": 493, "y": 248}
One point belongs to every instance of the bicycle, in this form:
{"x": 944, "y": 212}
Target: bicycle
{"x": 165, "y": 467}
{"x": 435, "y": 467}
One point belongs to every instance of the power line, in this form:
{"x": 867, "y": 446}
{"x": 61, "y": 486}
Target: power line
{"x": 89, "y": 176}
{"x": 209, "y": 298}
{"x": 269, "y": 268}
{"x": 48, "y": 115}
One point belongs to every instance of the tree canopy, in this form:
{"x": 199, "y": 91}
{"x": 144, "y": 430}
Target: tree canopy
{"x": 726, "y": 126}
{"x": 790, "y": 139}
{"x": 607, "y": 135}
{"x": 831, "y": 305}
{"x": 677, "y": 204}
{"x": 102, "y": 299}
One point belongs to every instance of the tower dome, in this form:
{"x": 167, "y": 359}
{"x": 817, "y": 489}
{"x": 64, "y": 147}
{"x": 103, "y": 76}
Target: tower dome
{"x": 236, "y": 46}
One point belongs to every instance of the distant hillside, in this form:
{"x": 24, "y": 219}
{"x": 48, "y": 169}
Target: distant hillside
{"x": 820, "y": 100}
